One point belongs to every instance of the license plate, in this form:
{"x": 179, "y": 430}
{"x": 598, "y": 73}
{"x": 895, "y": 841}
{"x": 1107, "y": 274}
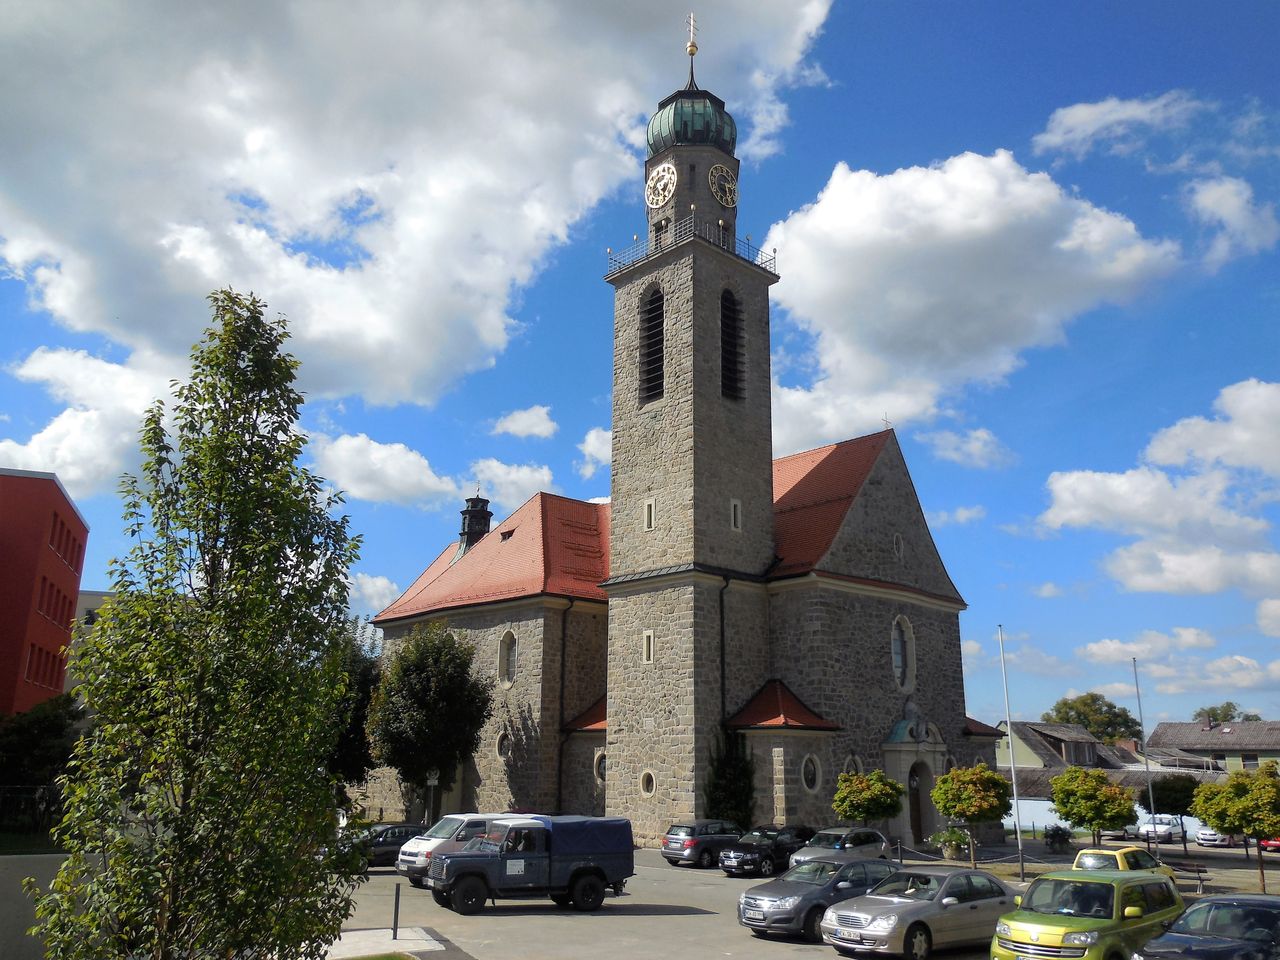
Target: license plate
{"x": 848, "y": 934}
{"x": 753, "y": 914}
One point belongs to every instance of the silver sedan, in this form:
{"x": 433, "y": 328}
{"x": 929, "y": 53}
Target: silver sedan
{"x": 917, "y": 909}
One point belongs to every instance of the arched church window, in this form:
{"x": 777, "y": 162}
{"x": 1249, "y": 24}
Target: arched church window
{"x": 651, "y": 346}
{"x": 902, "y": 649}
{"x": 733, "y": 354}
{"x": 507, "y": 653}
{"x": 601, "y": 766}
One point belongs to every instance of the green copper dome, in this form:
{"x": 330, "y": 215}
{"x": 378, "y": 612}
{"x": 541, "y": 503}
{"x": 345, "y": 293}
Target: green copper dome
{"x": 692, "y": 116}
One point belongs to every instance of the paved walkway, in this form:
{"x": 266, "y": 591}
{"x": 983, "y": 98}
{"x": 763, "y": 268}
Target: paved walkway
{"x": 366, "y": 943}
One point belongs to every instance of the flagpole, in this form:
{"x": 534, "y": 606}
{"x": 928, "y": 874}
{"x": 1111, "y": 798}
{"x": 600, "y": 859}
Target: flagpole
{"x": 1013, "y": 766}
{"x": 1146, "y": 760}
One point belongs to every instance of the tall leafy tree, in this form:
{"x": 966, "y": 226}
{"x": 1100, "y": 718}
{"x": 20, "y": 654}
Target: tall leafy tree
{"x": 867, "y": 796}
{"x": 1225, "y": 712}
{"x": 199, "y": 819}
{"x": 1174, "y": 794}
{"x": 1087, "y": 798}
{"x": 973, "y": 795}
{"x": 1102, "y": 718}
{"x": 730, "y": 790}
{"x": 351, "y": 757}
{"x": 428, "y": 709}
{"x": 1247, "y": 803}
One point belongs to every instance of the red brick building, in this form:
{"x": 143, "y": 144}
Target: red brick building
{"x": 42, "y": 541}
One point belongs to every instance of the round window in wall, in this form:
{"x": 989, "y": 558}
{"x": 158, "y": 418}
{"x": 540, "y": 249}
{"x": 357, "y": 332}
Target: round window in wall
{"x": 503, "y": 746}
{"x": 902, "y": 648}
{"x": 852, "y": 764}
{"x": 810, "y": 773}
{"x": 648, "y": 784}
{"x": 600, "y": 767}
{"x": 507, "y": 651}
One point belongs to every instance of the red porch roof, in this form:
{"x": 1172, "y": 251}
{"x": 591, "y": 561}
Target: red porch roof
{"x": 775, "y": 707}
{"x": 591, "y": 719}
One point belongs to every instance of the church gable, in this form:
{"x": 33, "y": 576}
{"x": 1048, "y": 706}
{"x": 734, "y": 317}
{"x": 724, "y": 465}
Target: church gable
{"x": 884, "y": 537}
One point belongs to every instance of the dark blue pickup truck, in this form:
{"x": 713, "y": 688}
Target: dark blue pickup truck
{"x": 572, "y": 860}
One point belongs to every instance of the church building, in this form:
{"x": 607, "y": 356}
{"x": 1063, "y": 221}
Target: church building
{"x": 799, "y": 602}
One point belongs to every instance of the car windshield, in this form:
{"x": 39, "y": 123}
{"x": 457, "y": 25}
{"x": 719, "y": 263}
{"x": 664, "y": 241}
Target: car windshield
{"x": 444, "y": 828}
{"x": 680, "y": 830}
{"x": 912, "y": 886}
{"x": 487, "y": 843}
{"x": 827, "y": 840}
{"x": 1073, "y": 898}
{"x": 1096, "y": 861}
{"x": 1233, "y": 921}
{"x": 760, "y": 833}
{"x": 813, "y": 871}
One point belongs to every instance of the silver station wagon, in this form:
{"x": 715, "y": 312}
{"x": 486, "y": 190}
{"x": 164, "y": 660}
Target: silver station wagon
{"x": 794, "y": 902}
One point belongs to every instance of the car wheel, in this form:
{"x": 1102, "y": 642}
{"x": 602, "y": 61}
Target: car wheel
{"x": 588, "y": 893}
{"x": 674, "y": 863}
{"x": 415, "y": 881}
{"x": 812, "y": 928}
{"x": 755, "y": 931}
{"x": 766, "y": 867}
{"x": 469, "y": 896}
{"x": 918, "y": 944}
{"x": 705, "y": 859}
{"x": 441, "y": 898}
{"x": 561, "y": 900}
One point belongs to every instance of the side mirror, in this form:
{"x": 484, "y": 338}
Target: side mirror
{"x": 949, "y": 901}
{"x": 1017, "y": 899}
{"x": 843, "y": 885}
{"x": 1132, "y": 913}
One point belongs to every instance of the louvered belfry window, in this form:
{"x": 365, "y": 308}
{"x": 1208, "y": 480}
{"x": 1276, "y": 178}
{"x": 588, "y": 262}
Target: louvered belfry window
{"x": 733, "y": 354}
{"x": 651, "y": 335}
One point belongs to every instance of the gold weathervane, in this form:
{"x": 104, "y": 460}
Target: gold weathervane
{"x": 692, "y": 46}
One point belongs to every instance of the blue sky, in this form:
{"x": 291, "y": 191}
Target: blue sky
{"x": 1041, "y": 239}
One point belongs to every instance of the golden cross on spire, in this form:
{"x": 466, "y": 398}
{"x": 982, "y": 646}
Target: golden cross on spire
{"x": 692, "y": 22}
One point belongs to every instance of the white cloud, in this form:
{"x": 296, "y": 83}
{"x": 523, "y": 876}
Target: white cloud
{"x": 1243, "y": 435}
{"x": 1150, "y": 645}
{"x": 1269, "y": 617}
{"x": 597, "y": 451}
{"x": 371, "y": 177}
{"x": 1048, "y": 590}
{"x": 971, "y": 648}
{"x": 978, "y": 448}
{"x": 1122, "y": 123}
{"x": 1163, "y": 566}
{"x": 1235, "y": 672}
{"x": 534, "y": 422}
{"x": 1243, "y": 226}
{"x": 1114, "y": 691}
{"x": 372, "y": 594}
{"x": 1029, "y": 659}
{"x": 510, "y": 485}
{"x": 920, "y": 281}
{"x": 959, "y": 516}
{"x": 381, "y": 472}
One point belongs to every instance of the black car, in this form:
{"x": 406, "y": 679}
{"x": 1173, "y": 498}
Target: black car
{"x": 1226, "y": 927}
{"x": 698, "y": 841}
{"x": 763, "y": 850}
{"x": 383, "y": 842}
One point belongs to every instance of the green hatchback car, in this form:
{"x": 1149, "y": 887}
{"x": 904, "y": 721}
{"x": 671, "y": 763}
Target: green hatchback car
{"x": 1087, "y": 915}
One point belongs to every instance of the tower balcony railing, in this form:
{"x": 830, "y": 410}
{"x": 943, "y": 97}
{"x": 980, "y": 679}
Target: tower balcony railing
{"x": 684, "y": 229}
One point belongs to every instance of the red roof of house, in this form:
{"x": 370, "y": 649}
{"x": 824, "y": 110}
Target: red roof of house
{"x": 555, "y": 545}
{"x": 592, "y": 718}
{"x": 775, "y": 707}
{"x": 976, "y": 728}
{"x": 551, "y": 545}
{"x": 812, "y": 492}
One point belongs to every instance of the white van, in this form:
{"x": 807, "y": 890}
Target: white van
{"x": 449, "y": 833}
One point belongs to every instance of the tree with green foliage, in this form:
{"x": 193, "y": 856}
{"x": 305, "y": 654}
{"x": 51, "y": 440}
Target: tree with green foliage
{"x": 35, "y": 745}
{"x": 864, "y": 797}
{"x": 199, "y": 818}
{"x": 973, "y": 795}
{"x": 1225, "y": 712}
{"x": 1173, "y": 795}
{"x": 731, "y": 793}
{"x": 351, "y": 757}
{"x": 1102, "y": 718}
{"x": 1247, "y": 803}
{"x": 428, "y": 709}
{"x": 1087, "y": 798}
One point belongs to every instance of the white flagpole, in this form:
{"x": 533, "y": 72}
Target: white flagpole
{"x": 1013, "y": 766}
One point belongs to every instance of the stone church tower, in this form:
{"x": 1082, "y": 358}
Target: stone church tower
{"x": 692, "y": 482}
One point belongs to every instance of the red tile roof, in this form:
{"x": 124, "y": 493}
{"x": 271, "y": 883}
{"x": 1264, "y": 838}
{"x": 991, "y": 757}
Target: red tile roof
{"x": 775, "y": 707}
{"x": 550, "y": 545}
{"x": 591, "y": 719}
{"x": 976, "y": 728}
{"x": 812, "y": 492}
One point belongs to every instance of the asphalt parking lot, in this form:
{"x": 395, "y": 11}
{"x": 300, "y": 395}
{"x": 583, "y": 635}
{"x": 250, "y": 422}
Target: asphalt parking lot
{"x": 666, "y": 912}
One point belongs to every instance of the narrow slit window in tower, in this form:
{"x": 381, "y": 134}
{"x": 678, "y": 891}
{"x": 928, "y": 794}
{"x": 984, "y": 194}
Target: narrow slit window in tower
{"x": 733, "y": 355}
{"x": 651, "y": 334}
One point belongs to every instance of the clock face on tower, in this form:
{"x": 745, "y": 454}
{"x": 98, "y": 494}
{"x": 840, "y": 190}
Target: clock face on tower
{"x": 724, "y": 185}
{"x": 661, "y": 185}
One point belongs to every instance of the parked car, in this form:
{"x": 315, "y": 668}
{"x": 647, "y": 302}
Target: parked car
{"x": 794, "y": 902}
{"x": 448, "y": 833}
{"x": 1235, "y": 926}
{"x": 1272, "y": 845}
{"x": 1128, "y": 832}
{"x": 1162, "y": 828}
{"x": 1089, "y": 914}
{"x": 1212, "y": 838}
{"x": 383, "y": 841}
{"x": 698, "y": 841}
{"x": 862, "y": 840}
{"x": 1121, "y": 858}
{"x": 917, "y": 909}
{"x": 763, "y": 850}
